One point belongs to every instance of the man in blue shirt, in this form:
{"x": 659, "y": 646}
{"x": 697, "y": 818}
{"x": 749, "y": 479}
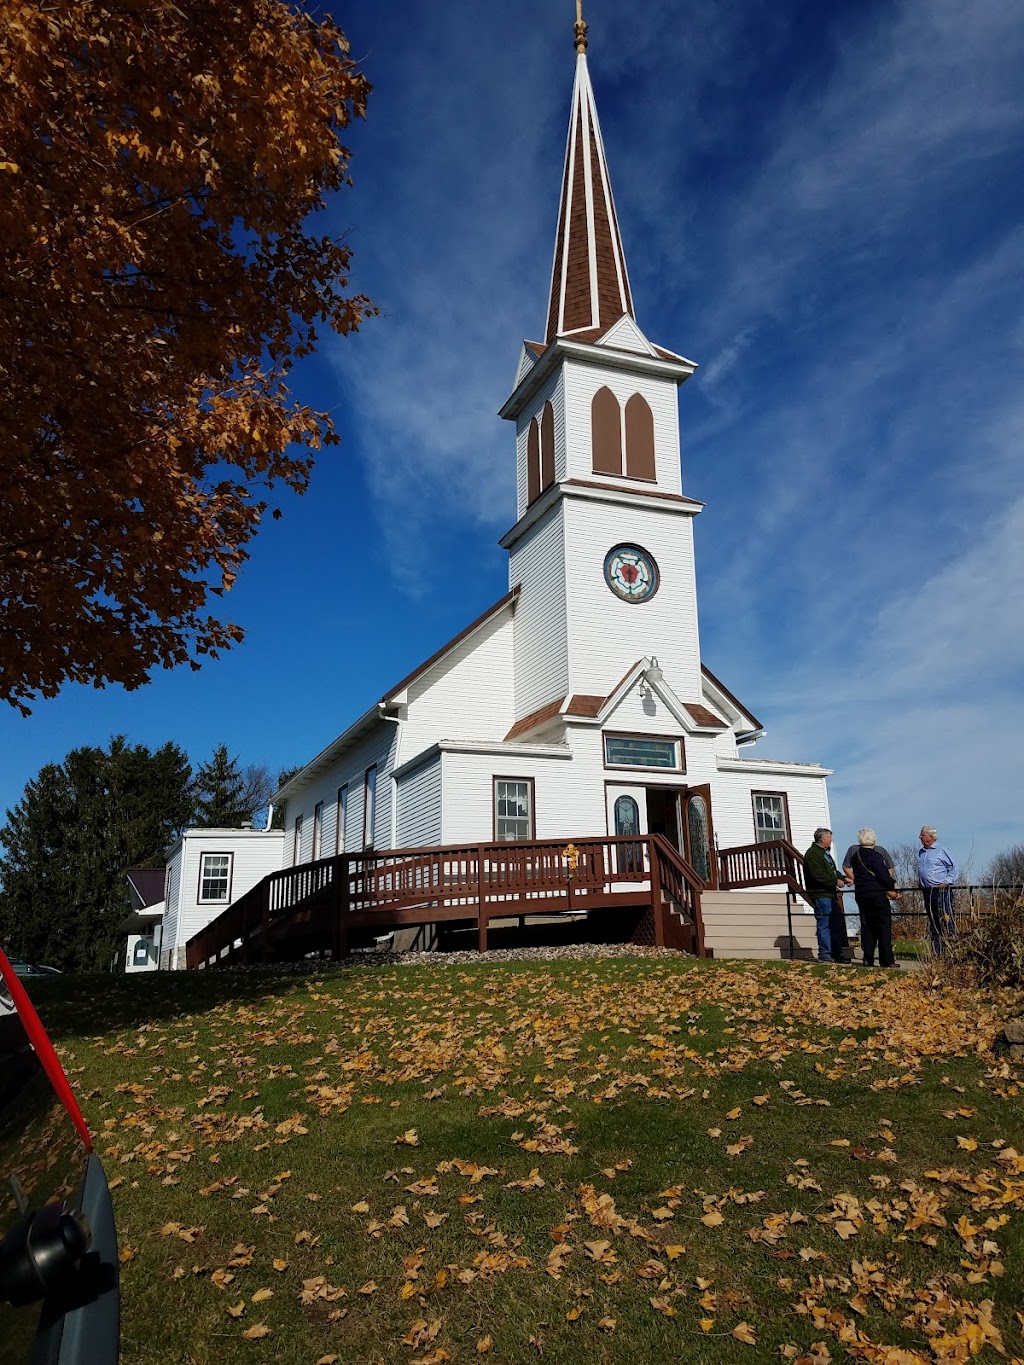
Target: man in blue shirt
{"x": 937, "y": 872}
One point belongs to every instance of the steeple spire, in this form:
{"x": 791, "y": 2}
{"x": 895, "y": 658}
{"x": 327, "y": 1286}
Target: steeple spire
{"x": 589, "y": 284}
{"x": 581, "y": 29}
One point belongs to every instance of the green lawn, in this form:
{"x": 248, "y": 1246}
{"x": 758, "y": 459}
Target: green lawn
{"x": 624, "y": 1160}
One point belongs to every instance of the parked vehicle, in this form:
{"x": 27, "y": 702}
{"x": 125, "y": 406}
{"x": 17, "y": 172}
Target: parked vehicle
{"x": 22, "y": 968}
{"x": 59, "y": 1285}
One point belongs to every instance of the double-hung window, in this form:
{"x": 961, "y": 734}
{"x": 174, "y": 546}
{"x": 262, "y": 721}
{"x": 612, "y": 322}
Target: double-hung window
{"x": 369, "y": 805}
{"x": 318, "y": 825}
{"x": 513, "y": 809}
{"x": 215, "y": 877}
{"x": 339, "y": 833}
{"x": 771, "y": 816}
{"x": 297, "y": 843}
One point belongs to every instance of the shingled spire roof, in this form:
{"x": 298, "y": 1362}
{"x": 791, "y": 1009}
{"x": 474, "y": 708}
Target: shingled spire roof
{"x": 589, "y": 284}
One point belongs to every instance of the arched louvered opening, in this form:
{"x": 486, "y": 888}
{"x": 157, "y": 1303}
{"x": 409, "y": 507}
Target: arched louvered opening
{"x": 640, "y": 439}
{"x": 606, "y": 432}
{"x": 547, "y": 447}
{"x": 533, "y": 463}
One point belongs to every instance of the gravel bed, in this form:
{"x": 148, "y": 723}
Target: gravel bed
{"x": 362, "y": 960}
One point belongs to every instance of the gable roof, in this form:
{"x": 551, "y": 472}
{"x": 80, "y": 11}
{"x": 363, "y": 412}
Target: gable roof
{"x": 145, "y": 886}
{"x": 582, "y": 707}
{"x": 374, "y": 715}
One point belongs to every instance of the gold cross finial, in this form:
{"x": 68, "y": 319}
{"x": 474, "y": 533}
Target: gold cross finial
{"x": 581, "y": 28}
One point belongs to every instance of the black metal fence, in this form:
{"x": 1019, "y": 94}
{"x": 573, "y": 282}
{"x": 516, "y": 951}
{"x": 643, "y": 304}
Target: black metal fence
{"x": 910, "y": 927}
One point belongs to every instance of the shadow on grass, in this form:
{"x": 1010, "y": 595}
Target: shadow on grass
{"x": 74, "y": 1006}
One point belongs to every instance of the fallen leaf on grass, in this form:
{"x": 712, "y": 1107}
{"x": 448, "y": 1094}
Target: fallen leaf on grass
{"x": 484, "y": 1345}
{"x": 606, "y": 1324}
{"x": 261, "y": 1295}
{"x": 256, "y": 1332}
{"x": 235, "y": 1310}
{"x": 745, "y": 1333}
{"x": 410, "y": 1138}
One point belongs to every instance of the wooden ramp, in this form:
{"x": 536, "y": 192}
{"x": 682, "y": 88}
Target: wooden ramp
{"x": 334, "y": 904}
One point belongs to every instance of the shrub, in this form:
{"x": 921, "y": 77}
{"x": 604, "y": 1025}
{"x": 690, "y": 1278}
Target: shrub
{"x": 991, "y": 946}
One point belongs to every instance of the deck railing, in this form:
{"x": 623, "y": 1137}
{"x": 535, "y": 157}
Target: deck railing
{"x": 774, "y": 863}
{"x": 328, "y": 899}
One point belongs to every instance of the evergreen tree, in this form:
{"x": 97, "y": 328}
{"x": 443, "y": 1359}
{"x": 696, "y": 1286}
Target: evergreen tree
{"x": 223, "y": 797}
{"x": 80, "y": 825}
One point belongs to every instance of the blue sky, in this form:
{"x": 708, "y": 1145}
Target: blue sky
{"x": 823, "y": 206}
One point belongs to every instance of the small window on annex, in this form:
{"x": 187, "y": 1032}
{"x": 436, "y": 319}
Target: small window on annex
{"x": 339, "y": 833}
{"x": 771, "y": 816}
{"x": 215, "y": 876}
{"x": 642, "y": 751}
{"x": 513, "y": 809}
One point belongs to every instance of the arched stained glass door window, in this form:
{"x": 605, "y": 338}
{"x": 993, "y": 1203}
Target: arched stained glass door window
{"x": 698, "y": 831}
{"x": 627, "y": 822}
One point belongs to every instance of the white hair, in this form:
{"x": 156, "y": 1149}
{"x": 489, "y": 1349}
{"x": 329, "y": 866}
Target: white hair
{"x": 866, "y": 838}
{"x": 929, "y": 829}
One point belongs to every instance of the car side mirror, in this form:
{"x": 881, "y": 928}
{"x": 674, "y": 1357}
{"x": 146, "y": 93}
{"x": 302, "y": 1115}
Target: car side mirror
{"x": 59, "y": 1281}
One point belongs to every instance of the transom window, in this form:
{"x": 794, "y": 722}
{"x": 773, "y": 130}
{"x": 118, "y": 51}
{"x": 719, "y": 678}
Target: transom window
{"x": 771, "y": 816}
{"x": 642, "y": 751}
{"x": 215, "y": 876}
{"x": 513, "y": 809}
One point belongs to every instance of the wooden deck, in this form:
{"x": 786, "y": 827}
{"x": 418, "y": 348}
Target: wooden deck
{"x": 333, "y": 904}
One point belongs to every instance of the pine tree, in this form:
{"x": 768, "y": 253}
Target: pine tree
{"x": 222, "y": 797}
{"x": 78, "y": 828}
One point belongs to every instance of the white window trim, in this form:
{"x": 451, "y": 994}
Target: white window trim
{"x": 215, "y": 900}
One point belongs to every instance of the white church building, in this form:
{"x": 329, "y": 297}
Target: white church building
{"x": 578, "y": 705}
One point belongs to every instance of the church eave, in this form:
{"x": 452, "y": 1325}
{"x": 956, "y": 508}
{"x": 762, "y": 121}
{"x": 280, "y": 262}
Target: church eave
{"x": 590, "y": 354}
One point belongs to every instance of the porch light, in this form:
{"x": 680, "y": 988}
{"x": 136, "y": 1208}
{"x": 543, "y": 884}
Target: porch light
{"x": 653, "y": 673}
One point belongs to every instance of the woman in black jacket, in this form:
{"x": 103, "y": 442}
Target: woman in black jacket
{"x": 874, "y": 887}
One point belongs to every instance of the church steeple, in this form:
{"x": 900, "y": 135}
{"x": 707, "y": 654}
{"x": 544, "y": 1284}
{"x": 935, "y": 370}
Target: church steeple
{"x": 589, "y": 283}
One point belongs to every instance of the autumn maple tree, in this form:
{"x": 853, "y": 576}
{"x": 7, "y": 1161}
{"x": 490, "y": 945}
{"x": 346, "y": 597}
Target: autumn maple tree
{"x": 159, "y": 163}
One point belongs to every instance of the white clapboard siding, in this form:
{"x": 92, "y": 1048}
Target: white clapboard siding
{"x": 537, "y": 564}
{"x": 378, "y": 747}
{"x": 747, "y": 924}
{"x": 582, "y": 382}
{"x": 607, "y": 635}
{"x": 733, "y": 807}
{"x": 172, "y": 900}
{"x": 469, "y": 694}
{"x": 419, "y": 804}
{"x": 550, "y": 391}
{"x": 253, "y": 853}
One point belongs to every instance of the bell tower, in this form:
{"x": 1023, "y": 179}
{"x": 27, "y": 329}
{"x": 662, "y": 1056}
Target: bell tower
{"x": 602, "y": 548}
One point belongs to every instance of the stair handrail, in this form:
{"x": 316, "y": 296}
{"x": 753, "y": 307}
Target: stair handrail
{"x": 785, "y": 870}
{"x": 668, "y": 853}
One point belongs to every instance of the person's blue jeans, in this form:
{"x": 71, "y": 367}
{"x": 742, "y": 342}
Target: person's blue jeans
{"x": 938, "y": 905}
{"x": 822, "y": 914}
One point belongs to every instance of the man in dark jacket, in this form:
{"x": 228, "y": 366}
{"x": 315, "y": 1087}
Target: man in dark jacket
{"x": 821, "y": 877}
